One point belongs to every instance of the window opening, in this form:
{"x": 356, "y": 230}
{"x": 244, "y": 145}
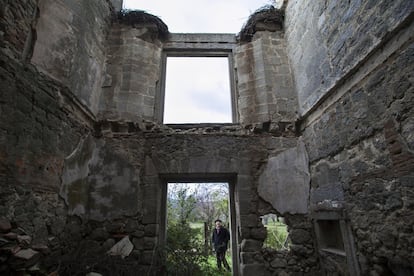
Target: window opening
{"x": 330, "y": 236}
{"x": 192, "y": 209}
{"x": 197, "y": 90}
{"x": 277, "y": 232}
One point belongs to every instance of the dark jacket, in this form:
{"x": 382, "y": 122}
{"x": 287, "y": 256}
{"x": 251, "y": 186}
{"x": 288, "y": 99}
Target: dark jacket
{"x": 221, "y": 239}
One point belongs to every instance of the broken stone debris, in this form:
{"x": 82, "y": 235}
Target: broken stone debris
{"x": 122, "y": 248}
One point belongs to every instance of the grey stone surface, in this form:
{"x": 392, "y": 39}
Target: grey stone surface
{"x": 133, "y": 66}
{"x": 325, "y": 41}
{"x": 5, "y": 225}
{"x": 359, "y": 140}
{"x": 122, "y": 248}
{"x": 252, "y": 269}
{"x": 70, "y": 47}
{"x": 359, "y": 154}
{"x": 94, "y": 181}
{"x": 285, "y": 181}
{"x": 264, "y": 80}
{"x": 251, "y": 245}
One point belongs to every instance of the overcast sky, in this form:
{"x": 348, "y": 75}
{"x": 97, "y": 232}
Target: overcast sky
{"x": 200, "y": 16}
{"x": 206, "y": 98}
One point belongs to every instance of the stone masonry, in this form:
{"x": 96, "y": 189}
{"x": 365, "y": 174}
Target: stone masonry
{"x": 323, "y": 135}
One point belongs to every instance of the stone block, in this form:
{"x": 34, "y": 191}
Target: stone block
{"x": 5, "y": 225}
{"x": 99, "y": 234}
{"x": 251, "y": 220}
{"x": 149, "y": 243}
{"x": 252, "y": 269}
{"x": 148, "y": 257}
{"x": 123, "y": 248}
{"x": 151, "y": 230}
{"x": 259, "y": 233}
{"x": 278, "y": 263}
{"x": 247, "y": 257}
{"x": 285, "y": 181}
{"x": 299, "y": 236}
{"x": 138, "y": 243}
{"x": 251, "y": 245}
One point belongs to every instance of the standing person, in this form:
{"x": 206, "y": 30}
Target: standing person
{"x": 220, "y": 240}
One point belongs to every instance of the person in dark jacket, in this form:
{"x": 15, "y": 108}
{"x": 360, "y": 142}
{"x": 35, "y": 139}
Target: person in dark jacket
{"x": 220, "y": 240}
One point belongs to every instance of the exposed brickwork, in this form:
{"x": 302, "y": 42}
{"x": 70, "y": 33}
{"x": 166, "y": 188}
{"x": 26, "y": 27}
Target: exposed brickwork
{"x": 402, "y": 159}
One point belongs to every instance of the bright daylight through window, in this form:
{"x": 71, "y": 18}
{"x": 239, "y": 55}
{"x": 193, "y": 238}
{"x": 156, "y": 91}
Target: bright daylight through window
{"x": 197, "y": 90}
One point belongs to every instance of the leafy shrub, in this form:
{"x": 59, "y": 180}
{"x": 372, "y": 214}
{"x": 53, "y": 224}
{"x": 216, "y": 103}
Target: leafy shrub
{"x": 184, "y": 250}
{"x": 276, "y": 237}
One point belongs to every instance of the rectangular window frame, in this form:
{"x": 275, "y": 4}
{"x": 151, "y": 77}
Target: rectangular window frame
{"x": 197, "y": 45}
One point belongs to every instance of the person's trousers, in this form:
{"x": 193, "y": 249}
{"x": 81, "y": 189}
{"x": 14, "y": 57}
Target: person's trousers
{"x": 221, "y": 259}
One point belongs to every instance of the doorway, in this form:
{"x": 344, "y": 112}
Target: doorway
{"x": 189, "y": 210}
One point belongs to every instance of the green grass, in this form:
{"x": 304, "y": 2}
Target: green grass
{"x": 276, "y": 235}
{"x": 210, "y": 267}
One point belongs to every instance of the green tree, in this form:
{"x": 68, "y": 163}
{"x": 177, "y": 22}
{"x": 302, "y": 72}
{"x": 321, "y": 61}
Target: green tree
{"x": 212, "y": 204}
{"x": 184, "y": 249}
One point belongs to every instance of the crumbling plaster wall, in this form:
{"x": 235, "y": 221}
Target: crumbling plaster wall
{"x": 353, "y": 70}
{"x": 41, "y": 122}
{"x": 70, "y": 45}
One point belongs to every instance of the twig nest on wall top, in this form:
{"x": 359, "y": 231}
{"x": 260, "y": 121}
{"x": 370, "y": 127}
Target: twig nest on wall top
{"x": 267, "y": 18}
{"x": 142, "y": 18}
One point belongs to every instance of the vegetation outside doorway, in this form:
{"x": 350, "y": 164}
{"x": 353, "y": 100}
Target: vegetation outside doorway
{"x": 190, "y": 211}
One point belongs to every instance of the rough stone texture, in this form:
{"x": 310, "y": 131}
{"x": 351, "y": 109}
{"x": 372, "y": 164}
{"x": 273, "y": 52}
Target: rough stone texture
{"x": 300, "y": 258}
{"x": 132, "y": 74}
{"x": 70, "y": 45}
{"x": 17, "y": 22}
{"x": 361, "y": 155}
{"x": 285, "y": 181}
{"x": 327, "y": 39}
{"x": 117, "y": 4}
{"x": 371, "y": 164}
{"x": 72, "y": 187}
{"x": 264, "y": 80}
{"x": 40, "y": 125}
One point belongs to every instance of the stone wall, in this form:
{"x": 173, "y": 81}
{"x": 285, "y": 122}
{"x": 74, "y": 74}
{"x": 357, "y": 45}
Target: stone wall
{"x": 356, "y": 98}
{"x": 264, "y": 81}
{"x": 133, "y": 69}
{"x": 80, "y": 194}
{"x": 41, "y": 124}
{"x": 17, "y": 23}
{"x": 361, "y": 155}
{"x": 327, "y": 39}
{"x": 114, "y": 184}
{"x": 70, "y": 45}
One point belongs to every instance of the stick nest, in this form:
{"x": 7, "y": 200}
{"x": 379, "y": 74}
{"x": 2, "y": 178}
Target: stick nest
{"x": 265, "y": 16}
{"x": 139, "y": 17}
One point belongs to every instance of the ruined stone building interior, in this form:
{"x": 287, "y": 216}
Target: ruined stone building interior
{"x": 322, "y": 134}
